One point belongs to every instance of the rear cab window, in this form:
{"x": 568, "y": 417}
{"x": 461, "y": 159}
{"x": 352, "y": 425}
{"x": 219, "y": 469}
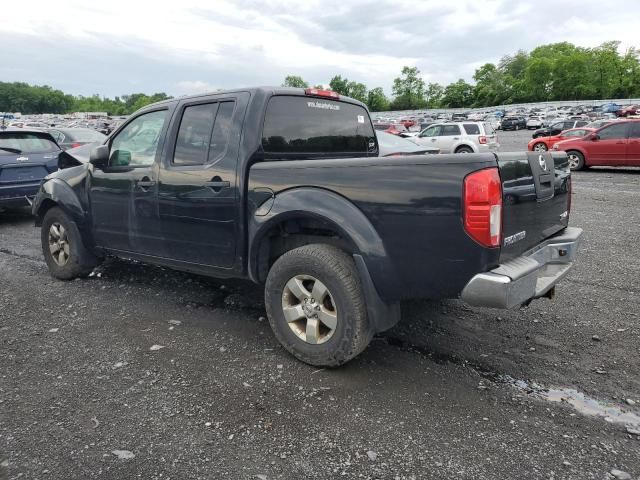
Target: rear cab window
{"x": 313, "y": 127}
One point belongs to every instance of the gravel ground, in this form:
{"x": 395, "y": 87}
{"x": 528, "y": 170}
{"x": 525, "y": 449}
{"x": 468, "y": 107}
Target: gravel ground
{"x": 144, "y": 372}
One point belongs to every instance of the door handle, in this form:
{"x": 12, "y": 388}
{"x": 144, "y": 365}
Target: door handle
{"x": 145, "y": 183}
{"x": 216, "y": 184}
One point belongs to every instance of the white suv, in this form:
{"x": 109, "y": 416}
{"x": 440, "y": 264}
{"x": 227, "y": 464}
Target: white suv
{"x": 459, "y": 137}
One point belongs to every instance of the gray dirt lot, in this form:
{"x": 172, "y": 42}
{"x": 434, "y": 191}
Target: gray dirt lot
{"x": 428, "y": 399}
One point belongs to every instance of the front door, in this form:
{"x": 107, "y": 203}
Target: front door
{"x": 611, "y": 146}
{"x": 430, "y": 137}
{"x": 123, "y": 194}
{"x": 198, "y": 196}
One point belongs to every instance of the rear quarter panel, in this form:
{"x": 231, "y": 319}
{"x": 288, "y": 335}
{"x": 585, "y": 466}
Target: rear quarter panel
{"x": 414, "y": 203}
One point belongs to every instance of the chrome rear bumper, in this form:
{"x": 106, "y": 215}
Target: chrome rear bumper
{"x": 533, "y": 275}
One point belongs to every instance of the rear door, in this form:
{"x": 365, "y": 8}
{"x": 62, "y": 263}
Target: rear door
{"x": 535, "y": 198}
{"x": 633, "y": 147}
{"x": 198, "y": 198}
{"x": 610, "y": 149}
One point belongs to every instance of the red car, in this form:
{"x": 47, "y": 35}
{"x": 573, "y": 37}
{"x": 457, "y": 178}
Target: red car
{"x": 614, "y": 145}
{"x": 407, "y": 122}
{"x": 542, "y": 144}
{"x": 628, "y": 110}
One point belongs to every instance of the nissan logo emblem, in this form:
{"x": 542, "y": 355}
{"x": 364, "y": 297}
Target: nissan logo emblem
{"x": 542, "y": 162}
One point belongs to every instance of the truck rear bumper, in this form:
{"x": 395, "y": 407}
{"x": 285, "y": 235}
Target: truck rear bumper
{"x": 530, "y": 276}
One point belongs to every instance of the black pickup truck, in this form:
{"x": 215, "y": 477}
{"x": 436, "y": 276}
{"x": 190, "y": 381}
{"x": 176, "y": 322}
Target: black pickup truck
{"x": 285, "y": 187}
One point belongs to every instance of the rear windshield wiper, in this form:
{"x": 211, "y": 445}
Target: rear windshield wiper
{"x": 12, "y": 150}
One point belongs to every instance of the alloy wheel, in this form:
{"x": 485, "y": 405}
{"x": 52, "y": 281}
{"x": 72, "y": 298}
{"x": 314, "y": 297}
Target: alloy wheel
{"x": 309, "y": 309}
{"x": 58, "y": 244}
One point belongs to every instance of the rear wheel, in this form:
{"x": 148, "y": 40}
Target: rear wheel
{"x": 540, "y": 147}
{"x": 64, "y": 252}
{"x": 315, "y": 305}
{"x": 464, "y": 150}
{"x": 576, "y": 160}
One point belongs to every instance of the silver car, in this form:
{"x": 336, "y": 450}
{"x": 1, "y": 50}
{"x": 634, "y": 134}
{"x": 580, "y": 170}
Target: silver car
{"x": 459, "y": 137}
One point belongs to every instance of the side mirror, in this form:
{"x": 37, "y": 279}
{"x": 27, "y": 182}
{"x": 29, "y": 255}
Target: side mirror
{"x": 594, "y": 137}
{"x": 99, "y": 156}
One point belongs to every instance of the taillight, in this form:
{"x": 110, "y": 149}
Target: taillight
{"x": 316, "y": 92}
{"x": 74, "y": 145}
{"x": 483, "y": 207}
{"x": 482, "y": 140}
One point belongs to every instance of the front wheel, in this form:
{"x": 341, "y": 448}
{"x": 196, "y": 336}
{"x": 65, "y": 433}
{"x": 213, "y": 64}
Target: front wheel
{"x": 315, "y": 305}
{"x": 62, "y": 246}
{"x": 576, "y": 160}
{"x": 540, "y": 147}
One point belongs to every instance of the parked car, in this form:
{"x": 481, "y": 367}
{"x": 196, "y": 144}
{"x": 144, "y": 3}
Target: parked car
{"x": 534, "y": 123}
{"x": 557, "y": 127}
{"x": 614, "y": 145}
{"x": 542, "y": 144}
{"x": 26, "y": 157}
{"x": 393, "y": 145}
{"x": 628, "y": 111}
{"x": 75, "y": 137}
{"x": 270, "y": 184}
{"x": 513, "y": 123}
{"x": 28, "y": 124}
{"x": 462, "y": 137}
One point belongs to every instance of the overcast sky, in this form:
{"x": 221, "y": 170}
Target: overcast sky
{"x": 113, "y": 47}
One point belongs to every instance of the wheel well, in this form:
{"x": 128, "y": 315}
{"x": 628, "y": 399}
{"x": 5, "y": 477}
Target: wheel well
{"x": 46, "y": 205}
{"x": 464, "y": 146}
{"x": 294, "y": 233}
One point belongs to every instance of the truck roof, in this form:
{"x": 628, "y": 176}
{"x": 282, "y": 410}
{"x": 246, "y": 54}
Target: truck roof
{"x": 266, "y": 90}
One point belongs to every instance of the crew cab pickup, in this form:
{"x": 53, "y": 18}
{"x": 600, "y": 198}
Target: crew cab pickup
{"x": 285, "y": 187}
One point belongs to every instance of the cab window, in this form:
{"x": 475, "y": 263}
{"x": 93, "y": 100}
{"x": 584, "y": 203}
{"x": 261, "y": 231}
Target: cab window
{"x": 136, "y": 145}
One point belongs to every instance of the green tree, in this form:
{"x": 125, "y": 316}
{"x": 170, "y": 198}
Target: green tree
{"x": 377, "y": 101}
{"x": 294, "y": 81}
{"x": 339, "y": 85}
{"x": 408, "y": 90}
{"x": 433, "y": 95}
{"x": 458, "y": 94}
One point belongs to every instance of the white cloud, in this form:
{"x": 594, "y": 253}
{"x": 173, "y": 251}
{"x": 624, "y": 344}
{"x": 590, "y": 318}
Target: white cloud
{"x": 197, "y": 45}
{"x": 189, "y": 87}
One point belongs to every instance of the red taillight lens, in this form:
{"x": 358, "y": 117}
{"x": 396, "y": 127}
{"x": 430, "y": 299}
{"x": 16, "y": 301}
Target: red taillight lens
{"x": 482, "y": 140}
{"x": 316, "y": 92}
{"x": 74, "y": 145}
{"x": 483, "y": 207}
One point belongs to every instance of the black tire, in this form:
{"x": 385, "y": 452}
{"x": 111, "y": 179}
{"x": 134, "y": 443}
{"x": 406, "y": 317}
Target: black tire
{"x": 464, "y": 150}
{"x": 79, "y": 261}
{"x": 337, "y": 271}
{"x": 576, "y": 160}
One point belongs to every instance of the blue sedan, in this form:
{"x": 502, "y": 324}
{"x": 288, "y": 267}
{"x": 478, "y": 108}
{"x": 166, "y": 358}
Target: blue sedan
{"x": 26, "y": 157}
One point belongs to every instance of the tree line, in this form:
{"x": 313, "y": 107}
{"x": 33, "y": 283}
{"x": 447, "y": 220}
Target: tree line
{"x": 557, "y": 71}
{"x": 30, "y": 99}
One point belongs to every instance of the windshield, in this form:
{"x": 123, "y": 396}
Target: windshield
{"x": 18, "y": 142}
{"x": 309, "y": 125}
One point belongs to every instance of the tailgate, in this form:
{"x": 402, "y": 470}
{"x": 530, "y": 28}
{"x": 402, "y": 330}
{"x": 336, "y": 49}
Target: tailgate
{"x": 536, "y": 190}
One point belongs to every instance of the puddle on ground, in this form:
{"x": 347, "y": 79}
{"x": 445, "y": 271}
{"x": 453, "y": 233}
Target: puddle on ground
{"x": 582, "y": 403}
